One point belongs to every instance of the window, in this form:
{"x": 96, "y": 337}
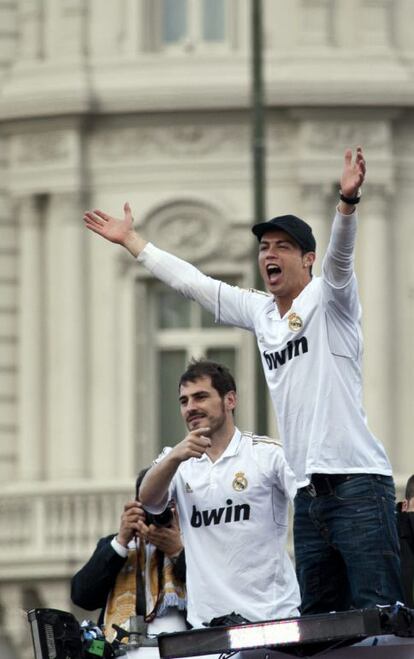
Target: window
{"x": 184, "y": 330}
{"x": 189, "y": 25}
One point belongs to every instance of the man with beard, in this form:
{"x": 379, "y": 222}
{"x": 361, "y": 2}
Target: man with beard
{"x": 231, "y": 490}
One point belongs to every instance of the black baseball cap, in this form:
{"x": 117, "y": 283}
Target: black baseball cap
{"x": 298, "y": 229}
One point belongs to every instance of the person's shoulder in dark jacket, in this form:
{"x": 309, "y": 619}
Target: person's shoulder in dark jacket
{"x": 91, "y": 585}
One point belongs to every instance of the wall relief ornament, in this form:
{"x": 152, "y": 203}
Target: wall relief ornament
{"x": 190, "y": 230}
{"x": 280, "y": 136}
{"x": 132, "y": 143}
{"x": 41, "y": 148}
{"x": 329, "y": 135}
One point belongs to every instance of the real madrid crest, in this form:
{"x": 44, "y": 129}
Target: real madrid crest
{"x": 239, "y": 482}
{"x": 295, "y": 322}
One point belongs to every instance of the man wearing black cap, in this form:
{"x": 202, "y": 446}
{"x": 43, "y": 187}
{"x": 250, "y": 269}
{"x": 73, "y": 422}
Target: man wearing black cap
{"x": 309, "y": 337}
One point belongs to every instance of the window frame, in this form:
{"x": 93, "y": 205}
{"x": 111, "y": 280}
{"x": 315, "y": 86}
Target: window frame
{"x": 146, "y": 362}
{"x": 193, "y": 43}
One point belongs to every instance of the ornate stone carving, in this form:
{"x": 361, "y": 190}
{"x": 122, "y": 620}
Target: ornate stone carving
{"x": 188, "y": 229}
{"x": 197, "y": 139}
{"x": 323, "y": 135}
{"x": 40, "y": 148}
{"x": 280, "y": 137}
{"x": 189, "y": 140}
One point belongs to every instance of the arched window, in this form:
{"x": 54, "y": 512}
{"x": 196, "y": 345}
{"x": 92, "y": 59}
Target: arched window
{"x": 172, "y": 329}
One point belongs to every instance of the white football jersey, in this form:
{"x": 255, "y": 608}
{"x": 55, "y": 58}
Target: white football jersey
{"x": 233, "y": 516}
{"x": 311, "y": 359}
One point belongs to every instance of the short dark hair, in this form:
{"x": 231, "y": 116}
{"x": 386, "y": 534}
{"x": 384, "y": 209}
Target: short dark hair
{"x": 409, "y": 488}
{"x": 139, "y": 480}
{"x": 221, "y": 378}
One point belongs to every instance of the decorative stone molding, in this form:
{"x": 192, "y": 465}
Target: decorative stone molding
{"x": 44, "y": 147}
{"x": 189, "y": 229}
{"x": 280, "y": 137}
{"x": 321, "y": 136}
{"x": 180, "y": 140}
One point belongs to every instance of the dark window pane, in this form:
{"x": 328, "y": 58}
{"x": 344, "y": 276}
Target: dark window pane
{"x": 174, "y": 20}
{"x": 225, "y": 356}
{"x": 172, "y": 364}
{"x": 173, "y": 310}
{"x": 214, "y": 28}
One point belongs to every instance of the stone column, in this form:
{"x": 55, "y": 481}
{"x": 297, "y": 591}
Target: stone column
{"x": 113, "y": 371}
{"x": 374, "y": 273}
{"x": 400, "y": 307}
{"x": 66, "y": 313}
{"x": 31, "y": 366}
{"x": 106, "y": 449}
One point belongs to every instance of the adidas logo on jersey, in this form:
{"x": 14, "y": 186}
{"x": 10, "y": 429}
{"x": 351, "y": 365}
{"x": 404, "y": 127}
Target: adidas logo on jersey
{"x": 293, "y": 349}
{"x": 232, "y": 513}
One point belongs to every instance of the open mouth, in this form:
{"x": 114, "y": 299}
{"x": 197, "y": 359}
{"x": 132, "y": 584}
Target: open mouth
{"x": 273, "y": 271}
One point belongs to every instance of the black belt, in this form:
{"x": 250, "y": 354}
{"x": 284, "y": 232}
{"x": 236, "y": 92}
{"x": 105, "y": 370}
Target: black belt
{"x": 321, "y": 484}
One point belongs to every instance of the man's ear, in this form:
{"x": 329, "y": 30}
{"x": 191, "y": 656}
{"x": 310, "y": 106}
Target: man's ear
{"x": 308, "y": 259}
{"x": 404, "y": 506}
{"x": 231, "y": 400}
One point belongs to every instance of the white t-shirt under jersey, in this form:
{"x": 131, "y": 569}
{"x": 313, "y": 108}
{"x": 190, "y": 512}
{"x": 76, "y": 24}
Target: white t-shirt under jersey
{"x": 233, "y": 517}
{"x": 312, "y": 363}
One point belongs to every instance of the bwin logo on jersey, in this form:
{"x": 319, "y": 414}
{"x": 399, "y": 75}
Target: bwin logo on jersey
{"x": 232, "y": 513}
{"x": 293, "y": 349}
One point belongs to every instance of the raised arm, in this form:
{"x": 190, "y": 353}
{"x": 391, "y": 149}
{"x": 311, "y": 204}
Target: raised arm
{"x": 153, "y": 492}
{"x": 353, "y": 176}
{"x": 229, "y": 304}
{"x": 338, "y": 262}
{"x": 116, "y": 230}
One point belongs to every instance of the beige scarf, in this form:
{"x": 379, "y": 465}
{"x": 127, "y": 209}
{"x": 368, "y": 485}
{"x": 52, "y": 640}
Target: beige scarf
{"x": 160, "y": 593}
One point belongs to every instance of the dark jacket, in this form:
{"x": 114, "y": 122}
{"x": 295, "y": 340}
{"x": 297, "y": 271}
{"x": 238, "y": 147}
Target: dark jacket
{"x": 91, "y": 586}
{"x": 405, "y": 522}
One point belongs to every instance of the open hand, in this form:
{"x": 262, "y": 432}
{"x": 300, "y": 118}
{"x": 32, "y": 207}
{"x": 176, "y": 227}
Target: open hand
{"x": 353, "y": 174}
{"x": 109, "y": 227}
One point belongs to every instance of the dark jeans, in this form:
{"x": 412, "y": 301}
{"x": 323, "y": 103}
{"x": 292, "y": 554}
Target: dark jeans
{"x": 346, "y": 545}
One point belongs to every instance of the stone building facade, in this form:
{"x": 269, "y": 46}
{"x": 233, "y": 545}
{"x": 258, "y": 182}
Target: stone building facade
{"x": 149, "y": 100}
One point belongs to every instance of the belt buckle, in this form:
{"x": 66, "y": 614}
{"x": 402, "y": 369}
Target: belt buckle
{"x": 312, "y": 490}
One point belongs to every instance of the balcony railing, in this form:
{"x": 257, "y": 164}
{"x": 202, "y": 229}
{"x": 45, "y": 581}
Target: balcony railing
{"x": 48, "y": 527}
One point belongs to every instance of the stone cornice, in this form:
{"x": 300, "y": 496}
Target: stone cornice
{"x": 154, "y": 84}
